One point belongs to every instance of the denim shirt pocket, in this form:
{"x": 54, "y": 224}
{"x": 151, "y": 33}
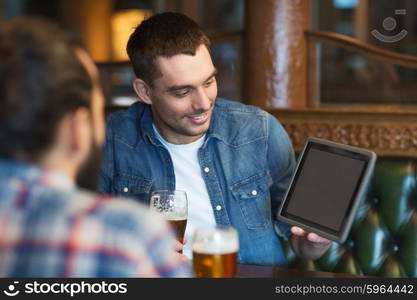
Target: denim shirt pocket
{"x": 253, "y": 197}
{"x": 131, "y": 186}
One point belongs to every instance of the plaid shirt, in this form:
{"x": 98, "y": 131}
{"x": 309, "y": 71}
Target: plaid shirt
{"x": 49, "y": 228}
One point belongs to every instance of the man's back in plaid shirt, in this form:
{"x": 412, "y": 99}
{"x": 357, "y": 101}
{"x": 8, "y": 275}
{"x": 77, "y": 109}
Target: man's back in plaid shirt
{"x": 49, "y": 228}
{"x": 51, "y": 133}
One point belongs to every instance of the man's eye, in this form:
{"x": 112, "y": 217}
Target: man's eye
{"x": 181, "y": 93}
{"x": 208, "y": 83}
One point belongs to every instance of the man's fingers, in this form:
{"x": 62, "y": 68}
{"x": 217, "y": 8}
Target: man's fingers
{"x": 178, "y": 246}
{"x": 312, "y": 237}
{"x": 181, "y": 257}
{"x": 183, "y": 241}
{"x": 297, "y": 231}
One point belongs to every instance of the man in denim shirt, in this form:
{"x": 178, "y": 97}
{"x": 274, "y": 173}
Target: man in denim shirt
{"x": 235, "y": 161}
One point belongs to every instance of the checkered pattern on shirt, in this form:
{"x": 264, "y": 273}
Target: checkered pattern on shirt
{"x": 48, "y": 228}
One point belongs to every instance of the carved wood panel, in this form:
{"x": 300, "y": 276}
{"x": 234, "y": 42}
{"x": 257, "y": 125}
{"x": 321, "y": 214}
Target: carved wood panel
{"x": 385, "y": 134}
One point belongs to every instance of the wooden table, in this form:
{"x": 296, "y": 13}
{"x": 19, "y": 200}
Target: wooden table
{"x": 255, "y": 271}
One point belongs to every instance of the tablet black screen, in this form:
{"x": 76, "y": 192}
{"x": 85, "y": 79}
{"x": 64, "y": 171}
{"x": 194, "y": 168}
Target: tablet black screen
{"x": 324, "y": 187}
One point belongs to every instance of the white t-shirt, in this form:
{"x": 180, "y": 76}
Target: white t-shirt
{"x": 188, "y": 178}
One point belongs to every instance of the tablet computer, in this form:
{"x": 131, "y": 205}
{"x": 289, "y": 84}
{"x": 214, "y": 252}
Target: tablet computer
{"x": 324, "y": 193}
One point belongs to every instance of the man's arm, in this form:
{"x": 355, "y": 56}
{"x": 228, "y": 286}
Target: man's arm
{"x": 161, "y": 246}
{"x": 107, "y": 163}
{"x": 282, "y": 164}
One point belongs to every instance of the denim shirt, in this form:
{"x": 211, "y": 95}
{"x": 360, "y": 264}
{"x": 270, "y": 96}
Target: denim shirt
{"x": 246, "y": 161}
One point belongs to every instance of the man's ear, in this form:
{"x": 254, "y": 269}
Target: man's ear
{"x": 72, "y": 143}
{"x": 81, "y": 131}
{"x": 142, "y": 90}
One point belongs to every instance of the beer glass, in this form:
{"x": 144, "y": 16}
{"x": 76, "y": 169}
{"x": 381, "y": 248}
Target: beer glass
{"x": 173, "y": 206}
{"x": 214, "y": 251}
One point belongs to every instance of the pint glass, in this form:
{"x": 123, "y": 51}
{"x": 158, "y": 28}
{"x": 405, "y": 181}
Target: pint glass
{"x": 173, "y": 206}
{"x": 214, "y": 251}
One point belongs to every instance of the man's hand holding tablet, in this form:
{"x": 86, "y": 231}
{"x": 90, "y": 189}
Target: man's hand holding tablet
{"x": 329, "y": 181}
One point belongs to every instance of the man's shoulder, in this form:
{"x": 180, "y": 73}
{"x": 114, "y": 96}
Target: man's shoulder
{"x": 123, "y": 125}
{"x": 116, "y": 214}
{"x": 63, "y": 204}
{"x": 239, "y": 109}
{"x": 240, "y": 114}
{"x": 236, "y": 123}
{"x": 102, "y": 204}
{"x": 130, "y": 114}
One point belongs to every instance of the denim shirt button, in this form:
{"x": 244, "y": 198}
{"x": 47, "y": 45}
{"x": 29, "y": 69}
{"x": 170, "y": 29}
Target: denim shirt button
{"x": 125, "y": 189}
{"x": 254, "y": 193}
{"x": 218, "y": 207}
{"x": 206, "y": 169}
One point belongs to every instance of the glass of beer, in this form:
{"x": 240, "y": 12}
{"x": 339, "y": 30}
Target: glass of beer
{"x": 214, "y": 251}
{"x": 173, "y": 206}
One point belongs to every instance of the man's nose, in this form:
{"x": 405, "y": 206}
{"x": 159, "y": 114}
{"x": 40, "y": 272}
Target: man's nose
{"x": 201, "y": 101}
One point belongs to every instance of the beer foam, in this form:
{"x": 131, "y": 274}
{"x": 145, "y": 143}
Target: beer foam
{"x": 216, "y": 247}
{"x": 174, "y": 217}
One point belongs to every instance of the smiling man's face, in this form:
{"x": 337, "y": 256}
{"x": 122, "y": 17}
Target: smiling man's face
{"x": 183, "y": 97}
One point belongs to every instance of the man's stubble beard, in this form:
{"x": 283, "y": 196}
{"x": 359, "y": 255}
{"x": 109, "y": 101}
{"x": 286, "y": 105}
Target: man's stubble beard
{"x": 184, "y": 130}
{"x": 89, "y": 173}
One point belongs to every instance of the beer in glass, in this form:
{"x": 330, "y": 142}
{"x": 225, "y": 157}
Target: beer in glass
{"x": 173, "y": 206}
{"x": 214, "y": 252}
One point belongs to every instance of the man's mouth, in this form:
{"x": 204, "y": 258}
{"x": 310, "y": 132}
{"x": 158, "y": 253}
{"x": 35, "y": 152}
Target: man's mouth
{"x": 198, "y": 118}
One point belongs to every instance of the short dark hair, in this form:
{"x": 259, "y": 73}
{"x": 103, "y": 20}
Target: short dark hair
{"x": 165, "y": 34}
{"x": 41, "y": 80}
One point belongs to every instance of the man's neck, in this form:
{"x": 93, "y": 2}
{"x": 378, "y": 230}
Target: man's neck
{"x": 55, "y": 161}
{"x": 182, "y": 142}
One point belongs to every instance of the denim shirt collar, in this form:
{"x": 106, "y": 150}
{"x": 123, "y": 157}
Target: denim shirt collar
{"x": 147, "y": 131}
{"x": 215, "y": 130}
